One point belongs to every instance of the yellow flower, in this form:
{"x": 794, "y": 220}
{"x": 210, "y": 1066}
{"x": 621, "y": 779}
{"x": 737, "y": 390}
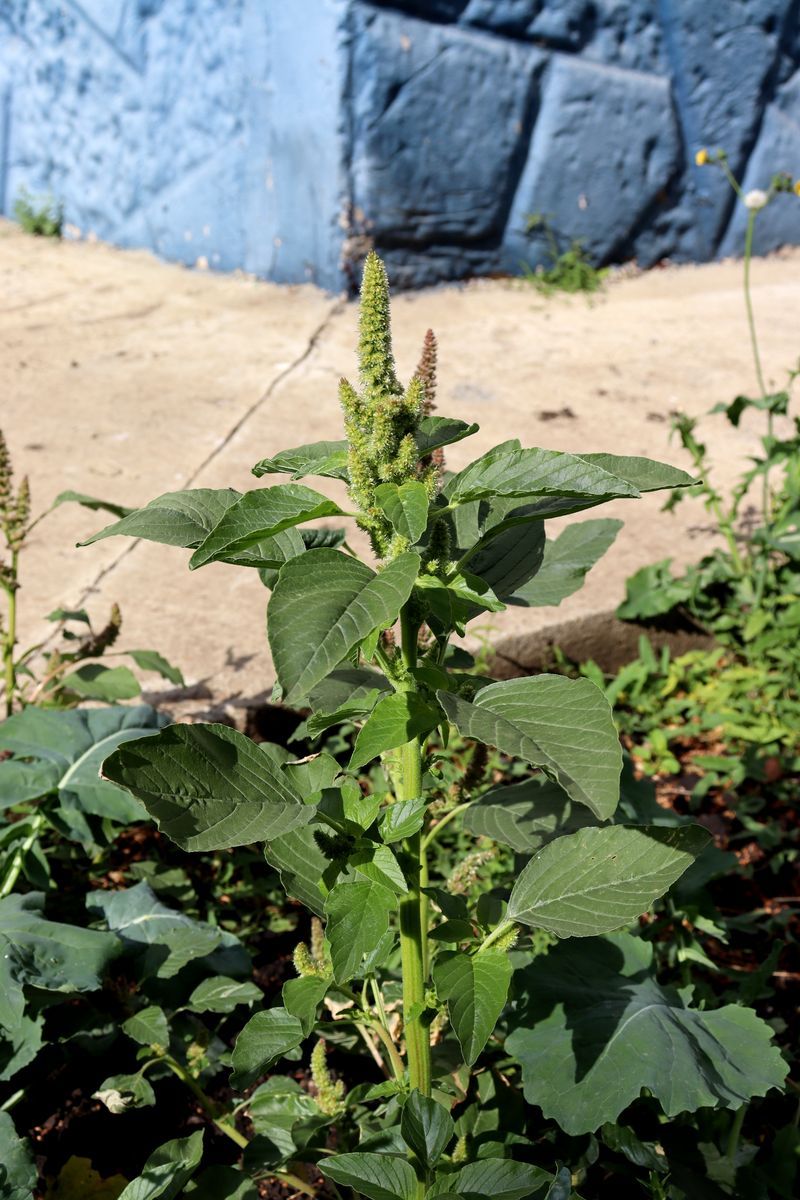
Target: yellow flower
{"x": 701, "y": 158}
{"x": 796, "y": 188}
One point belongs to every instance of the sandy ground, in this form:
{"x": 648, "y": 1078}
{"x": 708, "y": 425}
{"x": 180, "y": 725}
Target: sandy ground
{"x": 124, "y": 377}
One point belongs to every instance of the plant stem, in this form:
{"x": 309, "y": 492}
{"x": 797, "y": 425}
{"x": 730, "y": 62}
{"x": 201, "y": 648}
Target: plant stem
{"x": 735, "y": 1130}
{"x": 748, "y": 254}
{"x": 413, "y": 922}
{"x": 16, "y": 864}
{"x": 10, "y": 640}
{"x": 436, "y": 829}
{"x": 208, "y": 1106}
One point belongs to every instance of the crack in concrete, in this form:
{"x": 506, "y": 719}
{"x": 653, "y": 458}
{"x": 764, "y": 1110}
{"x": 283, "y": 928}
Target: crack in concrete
{"x": 239, "y": 424}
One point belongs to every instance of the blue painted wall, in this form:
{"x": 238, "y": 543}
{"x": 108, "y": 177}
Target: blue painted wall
{"x": 285, "y": 136}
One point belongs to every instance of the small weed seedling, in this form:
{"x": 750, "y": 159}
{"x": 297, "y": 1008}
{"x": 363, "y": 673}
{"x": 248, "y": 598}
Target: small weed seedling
{"x": 569, "y": 270}
{"x": 41, "y": 216}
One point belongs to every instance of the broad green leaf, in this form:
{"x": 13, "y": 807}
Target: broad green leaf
{"x": 18, "y": 1174}
{"x": 348, "y": 809}
{"x": 121, "y": 1092}
{"x": 403, "y": 819}
{"x": 66, "y": 750}
{"x": 566, "y": 562}
{"x": 376, "y": 1176}
{"x": 70, "y": 497}
{"x": 323, "y": 605}
{"x": 561, "y": 480}
{"x": 49, "y": 954}
{"x": 525, "y": 815}
{"x": 406, "y": 507}
{"x": 285, "y": 1114}
{"x": 598, "y": 880}
{"x": 259, "y": 515}
{"x": 176, "y": 518}
{"x": 222, "y": 1183}
{"x": 434, "y": 432}
{"x": 301, "y": 864}
{"x": 453, "y": 602}
{"x": 394, "y": 721}
{"x": 507, "y": 560}
{"x": 357, "y": 918}
{"x": 269, "y": 555}
{"x": 265, "y": 1038}
{"x": 208, "y": 786}
{"x": 651, "y": 591}
{"x": 327, "y": 459}
{"x": 302, "y": 997}
{"x": 564, "y": 726}
{"x": 646, "y": 474}
{"x": 502, "y": 1179}
{"x": 148, "y": 1027}
{"x": 377, "y": 863}
{"x": 219, "y": 994}
{"x": 93, "y": 681}
{"x": 592, "y": 1027}
{"x": 168, "y": 1170}
{"x": 355, "y": 710}
{"x": 475, "y": 987}
{"x": 312, "y": 775}
{"x": 346, "y": 685}
{"x": 171, "y": 939}
{"x": 151, "y": 660}
{"x": 427, "y": 1128}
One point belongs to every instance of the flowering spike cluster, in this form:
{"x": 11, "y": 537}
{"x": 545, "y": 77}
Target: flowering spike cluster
{"x": 313, "y": 961}
{"x": 98, "y": 643}
{"x": 381, "y": 419}
{"x": 330, "y": 1092}
{"x": 6, "y": 473}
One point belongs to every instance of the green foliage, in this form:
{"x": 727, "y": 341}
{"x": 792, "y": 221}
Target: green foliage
{"x": 570, "y": 270}
{"x": 412, "y": 1016}
{"x": 41, "y": 216}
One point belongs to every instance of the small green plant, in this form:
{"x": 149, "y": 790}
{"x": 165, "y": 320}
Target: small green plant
{"x": 570, "y": 270}
{"x": 406, "y": 955}
{"x": 41, "y": 216}
{"x": 745, "y": 592}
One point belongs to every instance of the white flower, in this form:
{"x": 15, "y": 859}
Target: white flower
{"x": 756, "y": 199}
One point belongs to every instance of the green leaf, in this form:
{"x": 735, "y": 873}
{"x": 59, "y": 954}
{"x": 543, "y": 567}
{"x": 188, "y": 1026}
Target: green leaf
{"x": 598, "y": 880}
{"x": 507, "y": 560}
{"x": 406, "y": 507}
{"x": 357, "y": 918}
{"x": 168, "y": 1170}
{"x": 285, "y": 1114}
{"x": 301, "y": 864}
{"x": 564, "y": 482}
{"x": 208, "y": 786}
{"x": 427, "y": 1128}
{"x": 378, "y": 864}
{"x": 563, "y": 725}
{"x": 502, "y": 1179}
{"x": 93, "y": 681}
{"x": 302, "y": 997}
{"x": 259, "y": 515}
{"x": 222, "y": 1182}
{"x": 151, "y": 660}
{"x": 265, "y": 1038}
{"x": 48, "y": 954}
{"x": 394, "y": 721}
{"x": 121, "y": 1092}
{"x": 453, "y": 602}
{"x": 376, "y": 1176}
{"x": 403, "y": 819}
{"x": 567, "y": 561}
{"x": 140, "y": 918}
{"x": 176, "y": 518}
{"x": 18, "y": 1174}
{"x": 643, "y": 473}
{"x": 219, "y": 994}
{"x": 346, "y": 685}
{"x": 148, "y": 1027}
{"x": 434, "y": 432}
{"x": 70, "y": 497}
{"x": 327, "y": 459}
{"x": 525, "y": 815}
{"x": 475, "y": 987}
{"x": 69, "y": 614}
{"x": 355, "y": 710}
{"x": 593, "y": 1027}
{"x": 322, "y": 606}
{"x": 65, "y": 750}
{"x": 651, "y": 591}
